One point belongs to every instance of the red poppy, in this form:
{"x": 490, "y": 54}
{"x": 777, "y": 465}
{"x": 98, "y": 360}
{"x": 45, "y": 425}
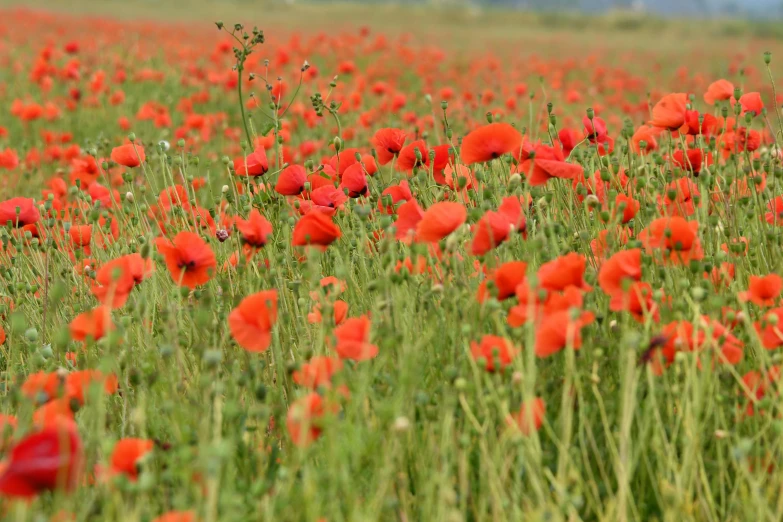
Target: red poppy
{"x": 490, "y": 231}
{"x": 440, "y": 220}
{"x": 493, "y": 349}
{"x": 339, "y": 309}
{"x": 304, "y": 419}
{"x": 93, "y": 324}
{"x": 19, "y": 211}
{"x": 530, "y": 416}
{"x": 621, "y": 267}
{"x": 116, "y": 279}
{"x": 388, "y": 143}
{"x": 763, "y": 290}
{"x": 49, "y": 459}
{"x": 255, "y": 164}
{"x": 669, "y": 112}
{"x": 176, "y": 516}
{"x": 128, "y": 155}
{"x": 255, "y": 230}
{"x": 353, "y": 338}
{"x": 544, "y": 163}
{"x": 638, "y": 300}
{"x": 489, "y": 142}
{"x": 720, "y": 90}
{"x": 673, "y": 237}
{"x": 752, "y": 103}
{"x": 316, "y": 229}
{"x": 291, "y": 181}
{"x": 77, "y": 383}
{"x": 562, "y": 272}
{"x": 690, "y": 160}
{"x": 189, "y": 258}
{"x": 354, "y": 181}
{"x": 413, "y": 155}
{"x": 251, "y": 322}
{"x": 409, "y": 214}
{"x": 317, "y": 372}
{"x": 393, "y": 195}
{"x": 126, "y": 456}
{"x": 559, "y": 330}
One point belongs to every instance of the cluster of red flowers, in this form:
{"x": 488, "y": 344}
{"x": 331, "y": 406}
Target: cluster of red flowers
{"x": 649, "y": 200}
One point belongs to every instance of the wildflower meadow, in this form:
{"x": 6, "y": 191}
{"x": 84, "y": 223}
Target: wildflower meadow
{"x": 388, "y": 263}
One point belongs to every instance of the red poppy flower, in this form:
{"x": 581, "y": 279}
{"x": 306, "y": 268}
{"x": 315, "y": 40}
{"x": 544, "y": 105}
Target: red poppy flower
{"x": 409, "y": 214}
{"x": 489, "y": 142}
{"x": 251, "y": 322}
{"x": 530, "y": 416}
{"x": 128, "y": 155}
{"x": 669, "y": 112}
{"x": 763, "y": 290}
{"x": 562, "y": 272}
{"x": 126, "y": 455}
{"x": 189, "y": 258}
{"x": 622, "y": 266}
{"x": 493, "y": 349}
{"x": 255, "y": 230}
{"x": 46, "y": 460}
{"x": 317, "y": 372}
{"x": 413, "y": 155}
{"x": 354, "y": 181}
{"x": 316, "y": 229}
{"x": 93, "y": 324}
{"x": 255, "y": 164}
{"x": 675, "y": 238}
{"x": 720, "y": 90}
{"x": 545, "y": 163}
{"x": 177, "y": 516}
{"x": 751, "y": 102}
{"x": 440, "y": 220}
{"x": 353, "y": 338}
{"x": 394, "y": 195}
{"x": 291, "y": 181}
{"x": 388, "y": 143}
{"x": 19, "y": 211}
{"x": 77, "y": 383}
{"x": 690, "y": 160}
{"x": 490, "y": 231}
{"x": 559, "y": 330}
{"x": 304, "y": 419}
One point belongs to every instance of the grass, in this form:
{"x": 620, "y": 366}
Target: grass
{"x": 421, "y": 430}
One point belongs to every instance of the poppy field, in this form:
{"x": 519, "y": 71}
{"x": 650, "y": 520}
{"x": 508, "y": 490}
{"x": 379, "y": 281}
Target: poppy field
{"x": 340, "y": 270}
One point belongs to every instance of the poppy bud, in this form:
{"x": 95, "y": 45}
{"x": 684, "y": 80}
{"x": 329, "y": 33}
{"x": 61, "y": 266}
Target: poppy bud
{"x": 590, "y": 113}
{"x": 444, "y": 105}
{"x": 338, "y": 143}
{"x": 767, "y": 57}
{"x": 489, "y": 117}
{"x": 219, "y": 25}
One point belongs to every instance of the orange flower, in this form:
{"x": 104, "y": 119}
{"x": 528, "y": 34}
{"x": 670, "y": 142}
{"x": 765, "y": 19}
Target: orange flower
{"x": 304, "y": 419}
{"x": 493, "y": 349}
{"x": 440, "y": 220}
{"x": 93, "y": 324}
{"x": 251, "y": 322}
{"x": 316, "y": 229}
{"x": 353, "y": 339}
{"x": 669, "y": 112}
{"x": 490, "y": 142}
{"x": 763, "y": 290}
{"x": 317, "y": 372}
{"x": 128, "y": 155}
{"x": 126, "y": 455}
{"x": 189, "y": 258}
{"x": 255, "y": 230}
{"x": 530, "y": 416}
{"x": 559, "y": 330}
